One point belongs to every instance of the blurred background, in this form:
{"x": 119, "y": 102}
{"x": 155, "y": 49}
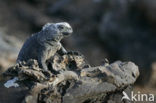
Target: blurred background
{"x": 114, "y": 29}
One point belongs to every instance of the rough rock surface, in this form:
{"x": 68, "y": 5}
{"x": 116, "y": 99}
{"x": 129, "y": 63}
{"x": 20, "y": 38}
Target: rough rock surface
{"x": 72, "y": 80}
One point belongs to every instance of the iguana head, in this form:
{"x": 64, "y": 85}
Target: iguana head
{"x": 64, "y": 28}
{"x": 56, "y": 31}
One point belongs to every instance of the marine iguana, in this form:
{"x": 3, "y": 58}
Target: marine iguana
{"x": 45, "y": 44}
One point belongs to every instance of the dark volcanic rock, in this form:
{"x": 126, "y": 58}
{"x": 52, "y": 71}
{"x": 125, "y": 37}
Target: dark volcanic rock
{"x": 72, "y": 80}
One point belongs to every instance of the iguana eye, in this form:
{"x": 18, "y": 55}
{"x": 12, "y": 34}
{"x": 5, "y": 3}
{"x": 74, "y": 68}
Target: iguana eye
{"x": 60, "y": 27}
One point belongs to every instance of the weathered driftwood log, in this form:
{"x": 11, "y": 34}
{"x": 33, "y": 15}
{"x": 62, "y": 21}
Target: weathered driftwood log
{"x": 70, "y": 80}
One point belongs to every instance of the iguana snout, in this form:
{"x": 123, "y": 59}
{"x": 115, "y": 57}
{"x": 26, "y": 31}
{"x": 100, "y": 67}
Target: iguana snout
{"x": 64, "y": 28}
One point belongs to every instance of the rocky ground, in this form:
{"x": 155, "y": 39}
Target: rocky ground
{"x": 69, "y": 80}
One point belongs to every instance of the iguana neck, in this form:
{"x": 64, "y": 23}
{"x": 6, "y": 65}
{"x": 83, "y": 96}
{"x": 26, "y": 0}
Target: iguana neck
{"x": 43, "y": 40}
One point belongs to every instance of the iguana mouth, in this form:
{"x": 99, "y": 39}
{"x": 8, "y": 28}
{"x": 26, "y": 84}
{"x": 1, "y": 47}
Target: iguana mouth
{"x": 66, "y": 33}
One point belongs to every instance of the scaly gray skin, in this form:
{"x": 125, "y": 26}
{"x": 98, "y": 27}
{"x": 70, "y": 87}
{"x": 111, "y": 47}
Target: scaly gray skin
{"x": 44, "y": 44}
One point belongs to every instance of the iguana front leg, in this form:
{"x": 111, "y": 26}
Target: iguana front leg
{"x": 42, "y": 60}
{"x": 62, "y": 51}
